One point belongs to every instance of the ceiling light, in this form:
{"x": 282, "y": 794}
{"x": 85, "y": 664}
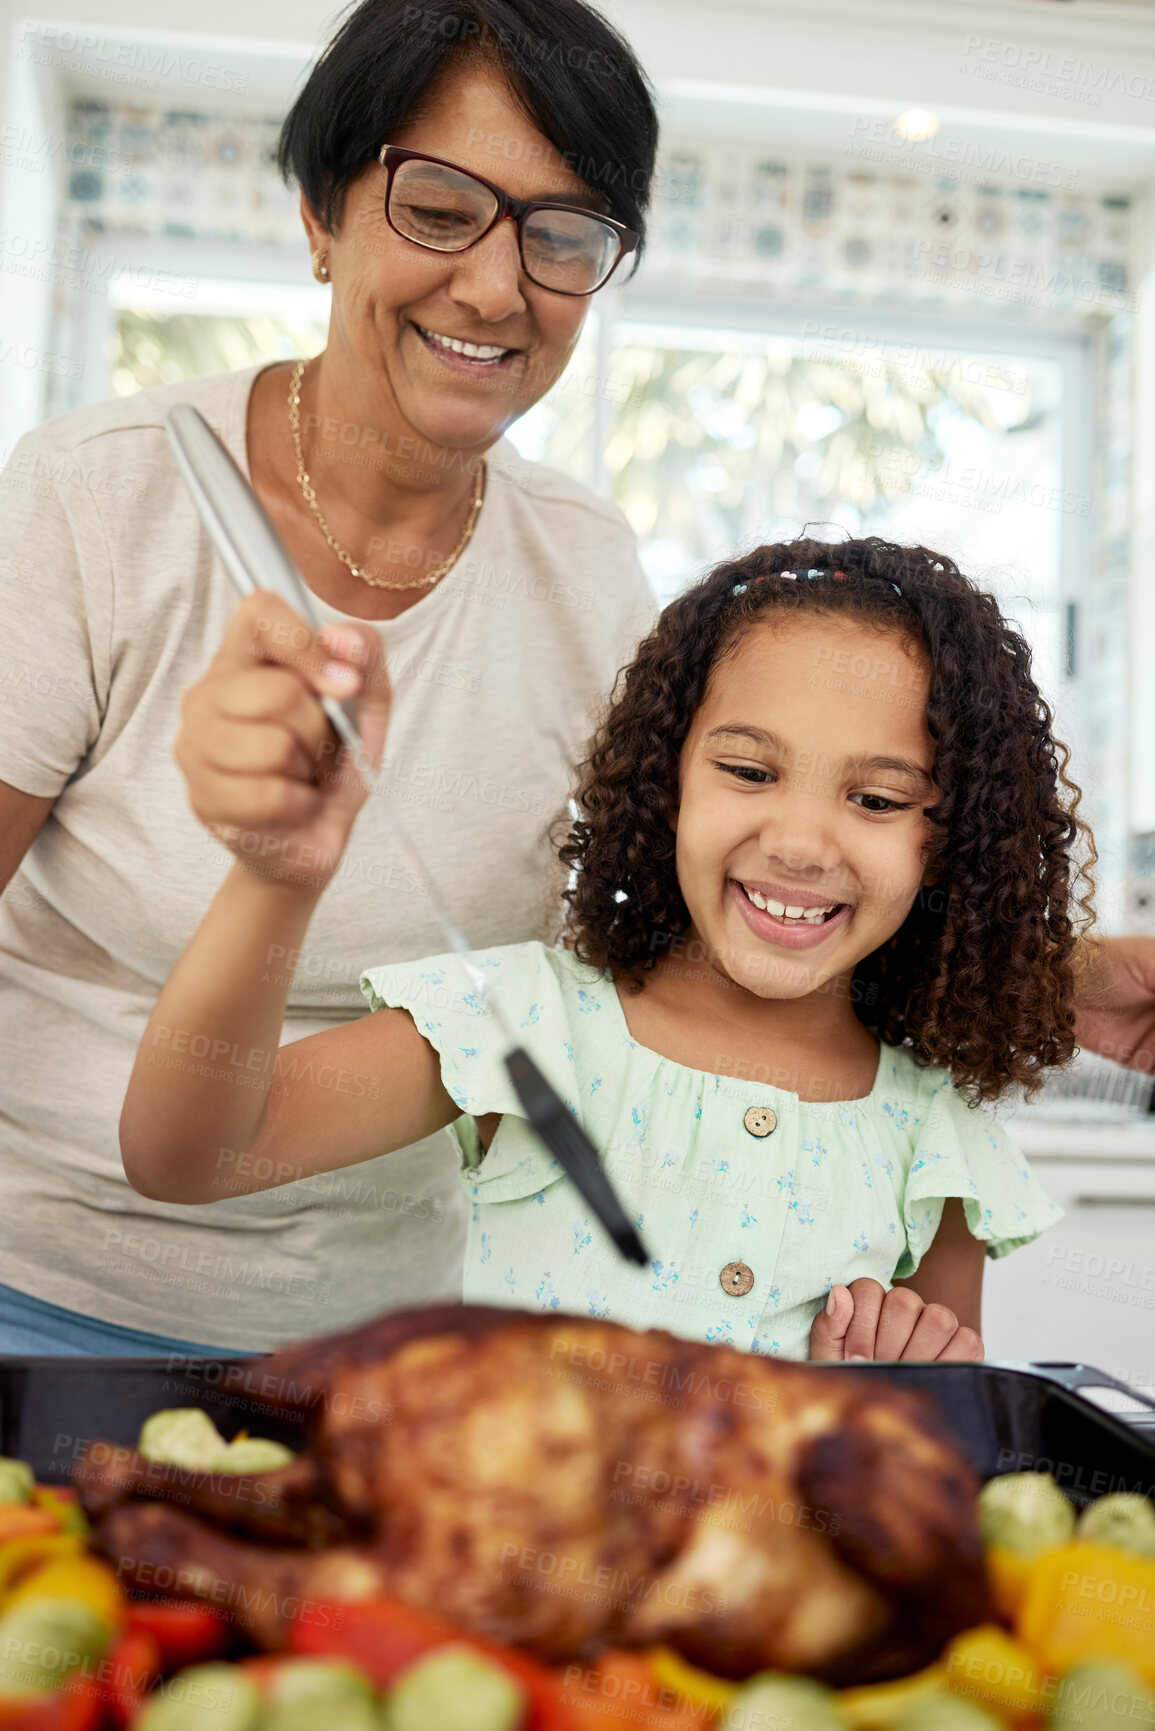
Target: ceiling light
{"x": 916, "y": 124}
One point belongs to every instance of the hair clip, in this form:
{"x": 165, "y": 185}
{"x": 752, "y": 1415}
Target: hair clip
{"x": 793, "y": 576}
{"x": 814, "y": 571}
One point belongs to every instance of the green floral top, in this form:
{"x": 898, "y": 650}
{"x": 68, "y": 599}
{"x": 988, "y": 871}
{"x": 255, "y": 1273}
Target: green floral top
{"x": 716, "y": 1171}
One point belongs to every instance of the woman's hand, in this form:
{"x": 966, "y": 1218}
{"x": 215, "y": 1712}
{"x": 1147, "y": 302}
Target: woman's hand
{"x": 264, "y": 768}
{"x": 864, "y": 1321}
{"x": 1115, "y": 1000}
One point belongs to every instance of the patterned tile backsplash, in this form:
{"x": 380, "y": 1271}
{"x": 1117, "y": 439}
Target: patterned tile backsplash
{"x": 179, "y": 173}
{"x": 927, "y": 231}
{"x": 746, "y": 217}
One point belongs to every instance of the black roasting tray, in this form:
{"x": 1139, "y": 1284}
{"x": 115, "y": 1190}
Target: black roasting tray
{"x": 1008, "y": 1418}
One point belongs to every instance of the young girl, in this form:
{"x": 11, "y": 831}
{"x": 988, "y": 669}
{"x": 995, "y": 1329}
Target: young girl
{"x": 820, "y": 908}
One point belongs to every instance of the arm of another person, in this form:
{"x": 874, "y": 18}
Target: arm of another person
{"x": 932, "y": 1314}
{"x": 22, "y": 816}
{"x": 215, "y": 1106}
{"x": 56, "y": 603}
{"x": 1115, "y": 1000}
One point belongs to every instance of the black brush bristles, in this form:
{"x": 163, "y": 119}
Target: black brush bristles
{"x": 574, "y": 1152}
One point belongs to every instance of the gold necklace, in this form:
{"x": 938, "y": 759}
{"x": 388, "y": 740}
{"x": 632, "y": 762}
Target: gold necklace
{"x": 310, "y": 495}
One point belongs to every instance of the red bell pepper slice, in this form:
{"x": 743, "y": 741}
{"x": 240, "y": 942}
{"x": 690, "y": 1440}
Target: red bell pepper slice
{"x": 548, "y": 1709}
{"x": 127, "y": 1673}
{"x": 186, "y": 1634}
{"x": 78, "y": 1705}
{"x": 383, "y": 1636}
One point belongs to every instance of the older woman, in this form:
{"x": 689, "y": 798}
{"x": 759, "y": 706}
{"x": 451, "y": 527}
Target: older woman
{"x": 471, "y": 172}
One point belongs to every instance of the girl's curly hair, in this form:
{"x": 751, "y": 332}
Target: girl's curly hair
{"x": 980, "y": 976}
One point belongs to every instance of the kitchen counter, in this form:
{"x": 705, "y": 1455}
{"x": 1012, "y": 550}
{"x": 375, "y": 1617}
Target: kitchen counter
{"x": 1079, "y": 1138}
{"x": 1085, "y": 1290}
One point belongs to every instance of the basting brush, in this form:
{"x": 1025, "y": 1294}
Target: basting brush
{"x": 255, "y": 558}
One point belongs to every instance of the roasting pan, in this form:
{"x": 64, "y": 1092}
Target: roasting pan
{"x": 1006, "y": 1417}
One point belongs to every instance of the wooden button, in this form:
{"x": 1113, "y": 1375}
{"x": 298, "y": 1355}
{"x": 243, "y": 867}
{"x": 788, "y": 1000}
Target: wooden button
{"x": 760, "y": 1120}
{"x": 737, "y": 1279}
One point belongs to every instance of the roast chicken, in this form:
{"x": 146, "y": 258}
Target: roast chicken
{"x": 567, "y": 1484}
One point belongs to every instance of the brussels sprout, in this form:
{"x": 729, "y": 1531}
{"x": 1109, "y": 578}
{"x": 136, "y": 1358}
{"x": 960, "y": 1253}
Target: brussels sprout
{"x": 203, "y": 1698}
{"x": 42, "y": 1640}
{"x": 181, "y": 1437}
{"x": 1025, "y": 1513}
{"x": 16, "y": 1481}
{"x": 776, "y": 1702}
{"x": 320, "y": 1695}
{"x": 948, "y": 1712}
{"x": 455, "y": 1688}
{"x": 252, "y": 1454}
{"x": 1101, "y": 1695}
{"x": 187, "y": 1437}
{"x": 1124, "y": 1519}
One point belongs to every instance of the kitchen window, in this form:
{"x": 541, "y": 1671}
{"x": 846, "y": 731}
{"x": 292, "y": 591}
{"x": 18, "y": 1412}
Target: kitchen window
{"x": 733, "y": 427}
{"x": 725, "y": 425}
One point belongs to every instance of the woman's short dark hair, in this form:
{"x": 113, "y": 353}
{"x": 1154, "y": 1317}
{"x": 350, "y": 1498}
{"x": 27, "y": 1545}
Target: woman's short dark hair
{"x": 576, "y": 78}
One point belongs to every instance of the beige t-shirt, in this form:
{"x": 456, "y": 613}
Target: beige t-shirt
{"x": 112, "y": 603}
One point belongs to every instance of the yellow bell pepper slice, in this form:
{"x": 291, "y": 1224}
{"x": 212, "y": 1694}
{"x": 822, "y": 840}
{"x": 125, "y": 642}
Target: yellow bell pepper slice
{"x": 1090, "y": 1601}
{"x": 74, "y": 1577}
{"x": 874, "y": 1706}
{"x": 1008, "y": 1574}
{"x": 699, "y": 1688}
{"x": 991, "y": 1667}
{"x": 21, "y": 1556}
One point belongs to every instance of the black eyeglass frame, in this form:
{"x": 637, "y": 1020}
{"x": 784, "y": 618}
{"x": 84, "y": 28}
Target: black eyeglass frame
{"x": 391, "y": 158}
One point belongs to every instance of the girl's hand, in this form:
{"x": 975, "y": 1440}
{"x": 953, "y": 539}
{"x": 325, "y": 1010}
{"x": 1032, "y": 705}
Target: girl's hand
{"x": 864, "y": 1321}
{"x": 264, "y": 768}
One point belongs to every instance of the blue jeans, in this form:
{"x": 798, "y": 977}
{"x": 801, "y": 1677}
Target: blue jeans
{"x": 29, "y": 1326}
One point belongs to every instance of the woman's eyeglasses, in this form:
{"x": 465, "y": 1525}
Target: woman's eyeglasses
{"x": 435, "y": 205}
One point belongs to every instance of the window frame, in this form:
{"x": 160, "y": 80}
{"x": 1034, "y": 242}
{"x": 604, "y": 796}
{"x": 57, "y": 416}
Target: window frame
{"x": 1074, "y": 350}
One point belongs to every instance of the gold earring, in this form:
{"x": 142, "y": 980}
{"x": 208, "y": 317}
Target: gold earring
{"x": 321, "y": 265}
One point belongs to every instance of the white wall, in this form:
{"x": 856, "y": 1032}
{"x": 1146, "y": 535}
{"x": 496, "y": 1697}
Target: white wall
{"x": 900, "y": 52}
{"x": 1142, "y": 585}
{"x": 28, "y": 209}
{"x": 886, "y": 52}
